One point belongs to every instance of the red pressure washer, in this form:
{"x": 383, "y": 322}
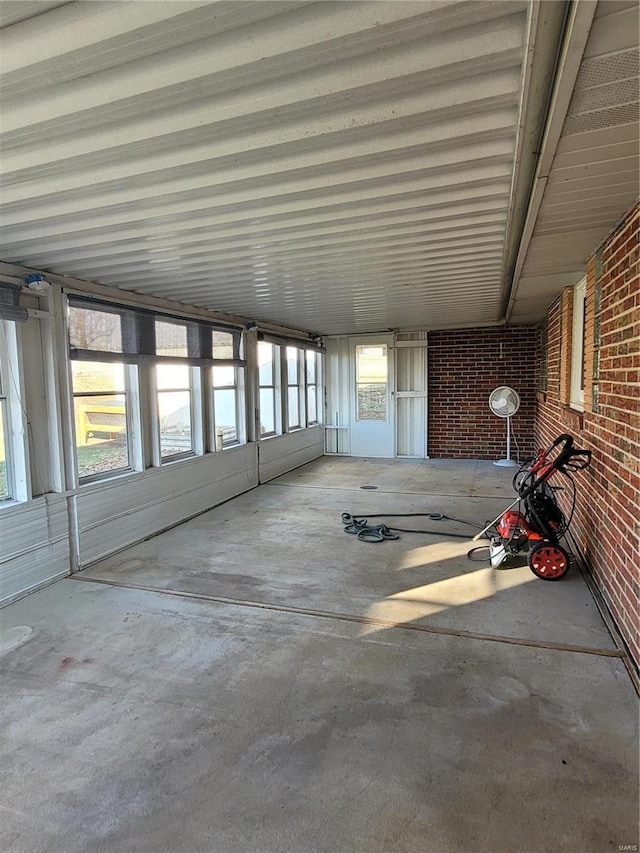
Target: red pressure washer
{"x": 538, "y": 523}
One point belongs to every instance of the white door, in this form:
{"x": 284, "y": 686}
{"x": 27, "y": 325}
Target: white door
{"x": 411, "y": 395}
{"x": 372, "y": 421}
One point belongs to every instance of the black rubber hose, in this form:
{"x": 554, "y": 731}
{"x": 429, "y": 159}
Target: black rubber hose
{"x": 433, "y": 516}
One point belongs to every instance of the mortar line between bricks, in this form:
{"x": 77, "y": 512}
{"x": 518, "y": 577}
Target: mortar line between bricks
{"x": 350, "y": 617}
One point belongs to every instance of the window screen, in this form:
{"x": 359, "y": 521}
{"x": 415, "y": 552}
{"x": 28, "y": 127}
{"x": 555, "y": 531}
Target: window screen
{"x": 104, "y": 332}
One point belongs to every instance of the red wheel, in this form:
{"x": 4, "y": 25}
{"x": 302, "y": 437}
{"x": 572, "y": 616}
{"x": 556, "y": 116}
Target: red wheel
{"x": 548, "y": 562}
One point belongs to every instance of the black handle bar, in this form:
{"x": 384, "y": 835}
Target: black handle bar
{"x": 568, "y": 459}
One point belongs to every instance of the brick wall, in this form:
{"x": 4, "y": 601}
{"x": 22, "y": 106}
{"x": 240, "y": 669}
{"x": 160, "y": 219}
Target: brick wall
{"x": 606, "y": 522}
{"x": 465, "y": 365}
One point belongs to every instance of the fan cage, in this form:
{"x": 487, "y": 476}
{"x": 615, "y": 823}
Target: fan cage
{"x": 510, "y": 394}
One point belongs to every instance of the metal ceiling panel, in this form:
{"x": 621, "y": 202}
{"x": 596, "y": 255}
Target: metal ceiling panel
{"x": 334, "y": 166}
{"x": 339, "y": 167}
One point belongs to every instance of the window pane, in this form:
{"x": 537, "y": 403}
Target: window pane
{"x": 292, "y": 366}
{"x": 101, "y": 434}
{"x": 100, "y": 417}
{"x": 294, "y": 407}
{"x": 224, "y": 405}
{"x": 96, "y": 330}
{"x": 311, "y": 367}
{"x": 172, "y": 376}
{"x": 223, "y": 377}
{"x": 265, "y": 363}
{"x": 222, "y": 345}
{"x": 4, "y": 485}
{"x": 267, "y": 411}
{"x": 171, "y": 339}
{"x": 372, "y": 402}
{"x": 371, "y": 364}
{"x": 312, "y": 414}
{"x": 174, "y": 413}
{"x": 371, "y": 379}
{"x": 97, "y": 376}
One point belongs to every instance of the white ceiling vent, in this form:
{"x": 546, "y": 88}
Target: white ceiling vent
{"x": 619, "y": 66}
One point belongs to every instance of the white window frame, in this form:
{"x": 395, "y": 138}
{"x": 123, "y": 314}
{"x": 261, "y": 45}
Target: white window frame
{"x": 314, "y": 385}
{"x": 576, "y": 395}
{"x": 275, "y": 386}
{"x": 195, "y": 414}
{"x": 132, "y": 427}
{"x": 299, "y": 386}
{"x": 238, "y": 387}
{"x": 15, "y": 422}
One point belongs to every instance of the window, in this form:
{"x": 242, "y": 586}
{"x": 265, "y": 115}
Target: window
{"x": 223, "y": 345}
{"x": 175, "y": 416}
{"x": 171, "y": 339}
{"x": 95, "y": 330}
{"x": 15, "y": 483}
{"x": 121, "y": 355}
{"x": 311, "y": 375}
{"x": 577, "y": 345}
{"x": 371, "y": 383}
{"x": 268, "y": 381}
{"x": 294, "y": 401}
{"x": 5, "y": 460}
{"x": 228, "y": 393}
{"x": 100, "y": 407}
{"x": 227, "y": 408}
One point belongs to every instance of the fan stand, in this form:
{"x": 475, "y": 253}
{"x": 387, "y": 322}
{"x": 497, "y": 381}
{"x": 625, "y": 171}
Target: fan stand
{"x": 508, "y": 462}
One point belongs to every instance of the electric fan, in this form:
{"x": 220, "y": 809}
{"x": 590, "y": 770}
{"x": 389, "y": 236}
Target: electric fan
{"x": 505, "y": 402}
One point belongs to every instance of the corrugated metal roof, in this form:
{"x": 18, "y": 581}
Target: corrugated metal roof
{"x": 331, "y": 166}
{"x": 334, "y": 166}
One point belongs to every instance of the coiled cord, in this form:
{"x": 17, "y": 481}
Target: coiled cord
{"x": 365, "y": 532}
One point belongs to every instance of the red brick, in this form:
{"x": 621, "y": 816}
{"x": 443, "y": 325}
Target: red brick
{"x": 606, "y": 518}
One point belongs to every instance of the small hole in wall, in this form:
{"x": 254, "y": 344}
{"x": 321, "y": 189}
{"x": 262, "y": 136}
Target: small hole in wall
{"x": 369, "y": 488}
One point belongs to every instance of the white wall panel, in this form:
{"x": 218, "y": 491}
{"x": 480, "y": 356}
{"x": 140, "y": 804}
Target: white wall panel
{"x": 411, "y": 395}
{"x": 283, "y": 453}
{"x": 34, "y": 546}
{"x": 116, "y": 514}
{"x": 337, "y": 394}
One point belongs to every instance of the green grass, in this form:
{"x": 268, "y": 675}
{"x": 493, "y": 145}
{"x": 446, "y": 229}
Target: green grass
{"x": 92, "y": 459}
{"x": 101, "y": 457}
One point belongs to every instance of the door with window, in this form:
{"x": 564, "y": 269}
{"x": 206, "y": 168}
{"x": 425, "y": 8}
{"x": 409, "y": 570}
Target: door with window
{"x": 372, "y": 419}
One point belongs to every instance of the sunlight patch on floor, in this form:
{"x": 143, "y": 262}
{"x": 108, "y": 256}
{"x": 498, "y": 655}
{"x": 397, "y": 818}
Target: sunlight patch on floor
{"x": 410, "y": 605}
{"x": 432, "y": 553}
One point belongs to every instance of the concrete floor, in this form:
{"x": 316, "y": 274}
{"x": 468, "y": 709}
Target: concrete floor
{"x": 321, "y": 694}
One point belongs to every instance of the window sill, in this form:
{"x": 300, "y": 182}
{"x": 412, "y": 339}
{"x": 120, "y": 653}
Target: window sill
{"x": 177, "y": 457}
{"x": 8, "y": 503}
{"x": 117, "y": 474}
